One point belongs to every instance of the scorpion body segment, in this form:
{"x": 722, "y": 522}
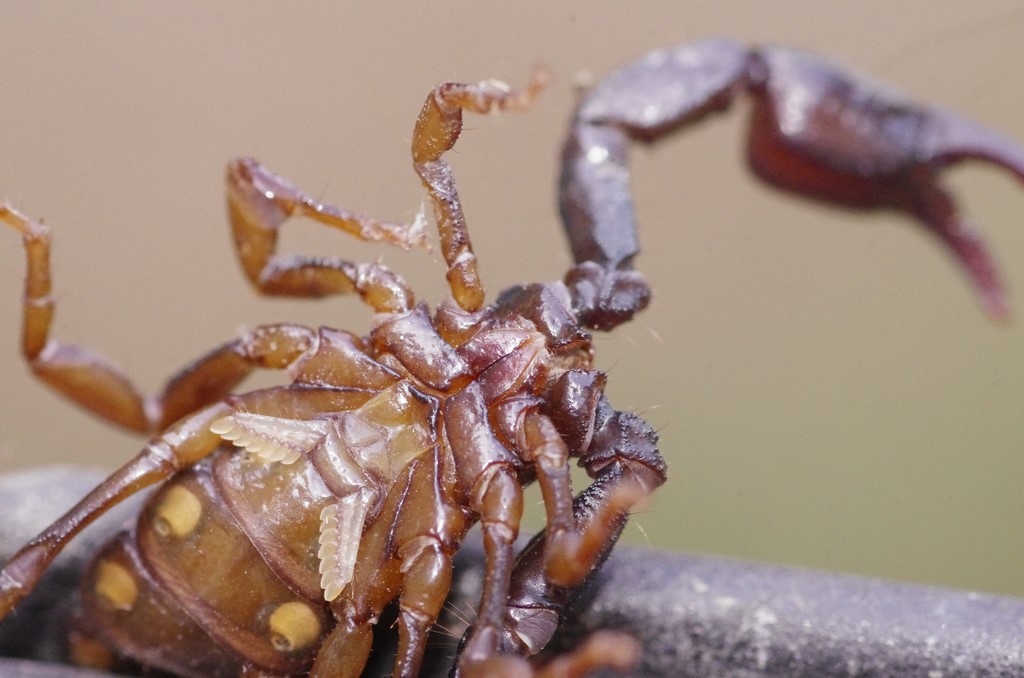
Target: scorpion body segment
{"x": 352, "y": 486}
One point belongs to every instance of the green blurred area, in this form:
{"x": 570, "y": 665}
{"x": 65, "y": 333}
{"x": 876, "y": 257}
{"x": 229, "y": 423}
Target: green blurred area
{"x": 827, "y": 391}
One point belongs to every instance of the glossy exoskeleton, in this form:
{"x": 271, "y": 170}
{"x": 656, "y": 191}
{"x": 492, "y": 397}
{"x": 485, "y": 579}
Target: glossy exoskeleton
{"x": 353, "y": 485}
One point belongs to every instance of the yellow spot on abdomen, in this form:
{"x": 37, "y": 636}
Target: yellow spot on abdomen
{"x": 115, "y": 585}
{"x": 177, "y": 513}
{"x": 294, "y": 627}
{"x": 87, "y": 651}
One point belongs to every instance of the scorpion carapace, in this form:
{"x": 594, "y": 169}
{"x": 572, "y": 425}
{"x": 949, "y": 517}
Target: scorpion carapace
{"x": 352, "y": 486}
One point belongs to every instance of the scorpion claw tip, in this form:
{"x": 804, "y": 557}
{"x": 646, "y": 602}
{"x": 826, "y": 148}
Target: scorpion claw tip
{"x": 987, "y": 285}
{"x": 995, "y": 305}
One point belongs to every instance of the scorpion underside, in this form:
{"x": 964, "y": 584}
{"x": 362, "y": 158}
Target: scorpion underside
{"x": 352, "y": 486}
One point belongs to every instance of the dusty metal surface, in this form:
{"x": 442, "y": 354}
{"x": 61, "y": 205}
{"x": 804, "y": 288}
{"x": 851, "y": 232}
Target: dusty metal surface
{"x": 705, "y": 616}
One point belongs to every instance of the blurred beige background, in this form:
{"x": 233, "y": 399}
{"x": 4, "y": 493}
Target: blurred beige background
{"x": 827, "y": 391}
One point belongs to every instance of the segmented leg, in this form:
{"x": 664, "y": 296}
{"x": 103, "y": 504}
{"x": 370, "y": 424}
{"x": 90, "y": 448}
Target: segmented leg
{"x": 501, "y": 508}
{"x": 570, "y": 551}
{"x": 623, "y": 452}
{"x": 496, "y": 494}
{"x": 426, "y": 573}
{"x": 428, "y": 531}
{"x": 551, "y": 456}
{"x": 437, "y": 129}
{"x": 624, "y": 460}
{"x": 176, "y": 448}
{"x": 535, "y": 604}
{"x": 259, "y": 202}
{"x": 179, "y": 446}
{"x": 103, "y": 388}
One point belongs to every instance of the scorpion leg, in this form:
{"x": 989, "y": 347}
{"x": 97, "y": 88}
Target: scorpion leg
{"x": 489, "y": 485}
{"x": 570, "y": 551}
{"x": 429, "y": 528}
{"x": 561, "y": 562}
{"x": 103, "y": 388}
{"x": 624, "y": 460}
{"x": 437, "y": 129}
{"x": 535, "y": 604}
{"x": 426, "y": 579}
{"x": 176, "y": 448}
{"x": 500, "y": 506}
{"x": 551, "y": 455}
{"x": 184, "y": 443}
{"x": 259, "y": 202}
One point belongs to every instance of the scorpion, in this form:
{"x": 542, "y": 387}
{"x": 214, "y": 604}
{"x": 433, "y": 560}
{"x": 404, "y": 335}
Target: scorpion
{"x": 287, "y": 518}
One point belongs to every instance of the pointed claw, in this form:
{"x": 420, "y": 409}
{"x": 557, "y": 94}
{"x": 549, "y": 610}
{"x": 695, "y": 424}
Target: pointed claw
{"x": 936, "y": 208}
{"x": 826, "y": 134}
{"x": 969, "y": 248}
{"x": 951, "y": 138}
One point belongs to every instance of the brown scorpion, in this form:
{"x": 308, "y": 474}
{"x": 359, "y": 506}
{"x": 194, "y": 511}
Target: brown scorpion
{"x": 289, "y": 517}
